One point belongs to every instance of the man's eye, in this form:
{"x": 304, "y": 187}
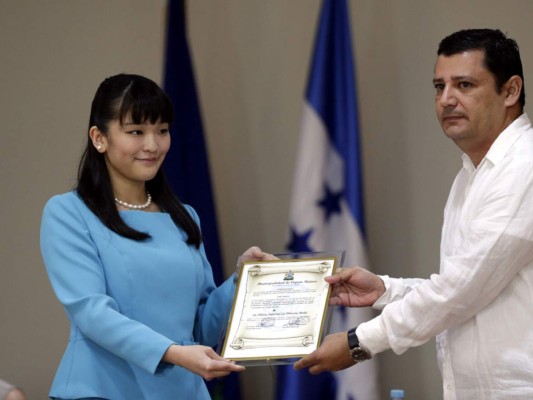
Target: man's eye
{"x": 465, "y": 85}
{"x": 439, "y": 87}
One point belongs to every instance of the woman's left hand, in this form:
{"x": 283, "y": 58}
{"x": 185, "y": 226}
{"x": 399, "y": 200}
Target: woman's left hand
{"x": 254, "y": 253}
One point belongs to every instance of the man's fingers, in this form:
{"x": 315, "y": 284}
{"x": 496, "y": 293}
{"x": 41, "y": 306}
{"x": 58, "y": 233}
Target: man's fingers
{"x": 335, "y": 301}
{"x": 305, "y": 362}
{"x": 341, "y": 275}
{"x": 347, "y": 273}
{"x": 315, "y": 370}
{"x": 336, "y": 277}
{"x": 332, "y": 279}
{"x": 311, "y": 363}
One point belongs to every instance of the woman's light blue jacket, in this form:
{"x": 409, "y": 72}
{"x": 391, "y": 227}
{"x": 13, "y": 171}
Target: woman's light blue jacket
{"x": 127, "y": 302}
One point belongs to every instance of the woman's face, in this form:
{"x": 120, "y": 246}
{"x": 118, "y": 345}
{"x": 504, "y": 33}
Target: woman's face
{"x": 134, "y": 152}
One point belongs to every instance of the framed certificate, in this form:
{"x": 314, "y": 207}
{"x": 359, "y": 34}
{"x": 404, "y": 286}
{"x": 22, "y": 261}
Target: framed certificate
{"x": 280, "y": 309}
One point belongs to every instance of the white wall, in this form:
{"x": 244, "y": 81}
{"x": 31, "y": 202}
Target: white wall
{"x": 251, "y": 60}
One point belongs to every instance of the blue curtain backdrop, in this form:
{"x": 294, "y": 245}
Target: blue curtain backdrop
{"x": 327, "y": 205}
{"x": 186, "y": 165}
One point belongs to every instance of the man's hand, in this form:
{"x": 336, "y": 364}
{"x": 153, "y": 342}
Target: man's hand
{"x": 332, "y": 355}
{"x": 355, "y": 287}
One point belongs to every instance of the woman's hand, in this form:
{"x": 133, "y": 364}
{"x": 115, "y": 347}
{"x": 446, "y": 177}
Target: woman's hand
{"x": 254, "y": 253}
{"x": 201, "y": 360}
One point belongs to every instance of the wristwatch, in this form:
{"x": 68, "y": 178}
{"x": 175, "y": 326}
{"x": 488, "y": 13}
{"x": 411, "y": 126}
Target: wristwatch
{"x": 357, "y": 351}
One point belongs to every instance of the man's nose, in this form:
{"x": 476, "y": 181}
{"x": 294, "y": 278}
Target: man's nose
{"x": 448, "y": 97}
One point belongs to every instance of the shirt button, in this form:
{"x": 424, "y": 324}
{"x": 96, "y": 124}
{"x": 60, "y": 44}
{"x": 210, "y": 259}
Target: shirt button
{"x": 449, "y": 387}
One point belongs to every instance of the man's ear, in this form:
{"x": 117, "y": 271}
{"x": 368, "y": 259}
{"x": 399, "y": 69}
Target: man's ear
{"x": 99, "y": 140}
{"x": 512, "y": 89}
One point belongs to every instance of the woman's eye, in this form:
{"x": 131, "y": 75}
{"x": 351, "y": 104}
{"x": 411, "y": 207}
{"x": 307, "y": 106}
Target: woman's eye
{"x": 135, "y": 132}
{"x": 164, "y": 131}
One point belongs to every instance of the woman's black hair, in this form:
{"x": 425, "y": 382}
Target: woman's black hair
{"x": 141, "y": 100}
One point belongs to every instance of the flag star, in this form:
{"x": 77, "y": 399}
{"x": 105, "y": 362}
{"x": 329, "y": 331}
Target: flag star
{"x": 298, "y": 242}
{"x": 330, "y": 202}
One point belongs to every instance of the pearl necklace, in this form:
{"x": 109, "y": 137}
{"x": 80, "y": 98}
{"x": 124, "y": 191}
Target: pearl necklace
{"x": 135, "y": 206}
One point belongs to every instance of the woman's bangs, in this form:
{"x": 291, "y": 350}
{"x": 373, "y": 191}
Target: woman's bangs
{"x": 139, "y": 106}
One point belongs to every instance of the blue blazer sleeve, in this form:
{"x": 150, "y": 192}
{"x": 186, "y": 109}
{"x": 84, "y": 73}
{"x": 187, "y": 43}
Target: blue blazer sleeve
{"x": 77, "y": 277}
{"x": 214, "y": 303}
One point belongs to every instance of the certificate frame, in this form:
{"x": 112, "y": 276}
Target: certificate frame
{"x": 280, "y": 310}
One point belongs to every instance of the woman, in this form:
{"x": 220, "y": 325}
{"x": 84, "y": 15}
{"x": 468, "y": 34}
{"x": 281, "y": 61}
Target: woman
{"x": 126, "y": 260}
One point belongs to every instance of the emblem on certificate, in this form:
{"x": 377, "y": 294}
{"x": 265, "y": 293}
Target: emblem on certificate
{"x": 280, "y": 309}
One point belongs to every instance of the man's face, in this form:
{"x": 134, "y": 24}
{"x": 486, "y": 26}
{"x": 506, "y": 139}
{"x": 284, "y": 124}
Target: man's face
{"x": 469, "y": 108}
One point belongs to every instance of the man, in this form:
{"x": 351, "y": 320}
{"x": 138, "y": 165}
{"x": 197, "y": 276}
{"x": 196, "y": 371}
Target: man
{"x": 480, "y": 304}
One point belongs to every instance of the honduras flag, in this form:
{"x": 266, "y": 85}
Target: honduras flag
{"x": 186, "y": 164}
{"x": 327, "y": 203}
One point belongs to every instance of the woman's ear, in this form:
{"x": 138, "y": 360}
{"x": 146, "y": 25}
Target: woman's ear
{"x": 98, "y": 139}
{"x": 513, "y": 88}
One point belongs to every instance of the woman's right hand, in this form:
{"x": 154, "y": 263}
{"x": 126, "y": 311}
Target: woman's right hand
{"x": 202, "y": 360}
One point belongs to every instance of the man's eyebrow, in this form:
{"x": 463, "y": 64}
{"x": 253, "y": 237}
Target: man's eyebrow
{"x": 456, "y": 78}
{"x": 463, "y": 77}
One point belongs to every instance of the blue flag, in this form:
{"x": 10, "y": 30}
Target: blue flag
{"x": 327, "y": 204}
{"x": 186, "y": 164}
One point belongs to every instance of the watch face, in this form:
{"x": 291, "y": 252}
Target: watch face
{"x": 359, "y": 354}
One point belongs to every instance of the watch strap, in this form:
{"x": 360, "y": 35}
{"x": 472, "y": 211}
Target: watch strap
{"x": 353, "y": 340}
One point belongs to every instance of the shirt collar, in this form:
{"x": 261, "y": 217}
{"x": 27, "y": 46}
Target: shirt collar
{"x": 505, "y": 140}
{"x": 502, "y": 144}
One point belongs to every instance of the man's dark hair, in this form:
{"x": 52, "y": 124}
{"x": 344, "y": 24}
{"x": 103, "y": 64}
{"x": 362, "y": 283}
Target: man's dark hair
{"x": 502, "y": 56}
